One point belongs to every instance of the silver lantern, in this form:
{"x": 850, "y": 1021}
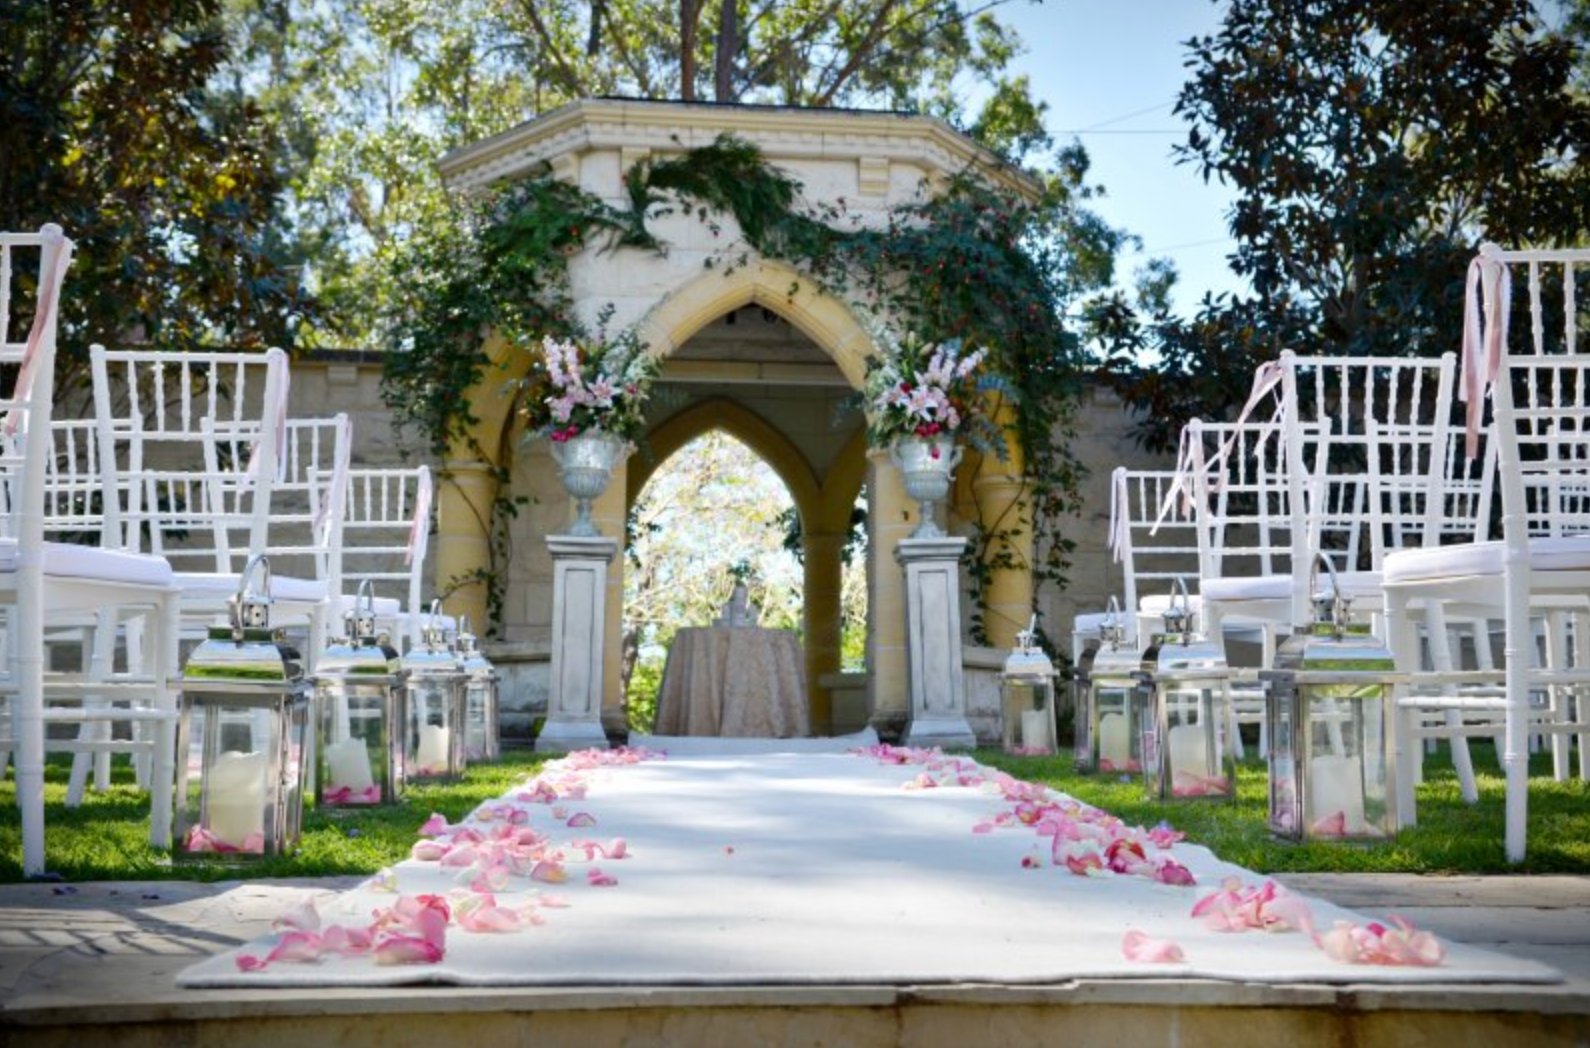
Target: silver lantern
{"x": 245, "y": 709}
{"x": 1331, "y": 765}
{"x": 1027, "y": 699}
{"x": 1183, "y": 700}
{"x": 360, "y": 696}
{"x": 433, "y": 746}
{"x": 1106, "y": 736}
{"x": 481, "y": 691}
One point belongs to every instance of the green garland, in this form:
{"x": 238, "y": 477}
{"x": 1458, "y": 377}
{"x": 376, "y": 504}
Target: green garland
{"x": 974, "y": 263}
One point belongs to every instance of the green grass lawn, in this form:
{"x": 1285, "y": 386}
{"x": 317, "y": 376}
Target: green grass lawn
{"x": 107, "y": 838}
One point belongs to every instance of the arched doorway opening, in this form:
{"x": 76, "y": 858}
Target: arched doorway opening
{"x": 712, "y": 514}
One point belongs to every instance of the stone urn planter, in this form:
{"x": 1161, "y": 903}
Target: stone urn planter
{"x": 585, "y": 464}
{"x": 927, "y": 465}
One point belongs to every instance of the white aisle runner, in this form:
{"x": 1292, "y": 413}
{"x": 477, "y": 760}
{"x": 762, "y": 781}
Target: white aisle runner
{"x": 822, "y": 868}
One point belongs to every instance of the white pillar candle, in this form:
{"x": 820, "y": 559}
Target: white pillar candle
{"x": 235, "y": 801}
{"x": 1334, "y": 786}
{"x": 1035, "y": 730}
{"x": 349, "y": 761}
{"x": 1187, "y": 750}
{"x": 1115, "y": 748}
{"x": 432, "y": 754}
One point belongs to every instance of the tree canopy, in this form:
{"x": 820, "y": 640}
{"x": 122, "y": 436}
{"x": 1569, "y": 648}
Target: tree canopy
{"x": 115, "y": 124}
{"x": 1372, "y": 145}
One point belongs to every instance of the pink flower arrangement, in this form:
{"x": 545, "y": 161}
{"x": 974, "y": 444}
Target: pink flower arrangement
{"x": 921, "y": 389}
{"x": 595, "y": 388}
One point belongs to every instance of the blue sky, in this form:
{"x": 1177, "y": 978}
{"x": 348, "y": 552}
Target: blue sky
{"x": 1112, "y": 69}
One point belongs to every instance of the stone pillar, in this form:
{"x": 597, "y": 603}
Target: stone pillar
{"x": 821, "y": 555}
{"x": 608, "y": 513}
{"x": 933, "y": 642}
{"x": 891, "y": 518}
{"x": 463, "y": 541}
{"x": 579, "y": 632}
{"x": 997, "y": 488}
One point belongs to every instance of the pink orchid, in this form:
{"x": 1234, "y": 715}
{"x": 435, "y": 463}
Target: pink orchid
{"x": 1374, "y": 943}
{"x": 1139, "y": 946}
{"x": 596, "y": 878}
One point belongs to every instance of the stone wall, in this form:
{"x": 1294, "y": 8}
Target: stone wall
{"x": 348, "y": 382}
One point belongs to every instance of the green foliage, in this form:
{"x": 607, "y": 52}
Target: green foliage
{"x": 640, "y": 695}
{"x": 113, "y": 124}
{"x": 107, "y": 837}
{"x": 975, "y": 263}
{"x": 1371, "y": 146}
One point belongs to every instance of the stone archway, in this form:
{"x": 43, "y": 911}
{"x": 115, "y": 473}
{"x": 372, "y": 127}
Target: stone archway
{"x": 823, "y": 507}
{"x": 874, "y": 162}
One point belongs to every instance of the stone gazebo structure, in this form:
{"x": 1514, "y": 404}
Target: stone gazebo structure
{"x": 753, "y": 349}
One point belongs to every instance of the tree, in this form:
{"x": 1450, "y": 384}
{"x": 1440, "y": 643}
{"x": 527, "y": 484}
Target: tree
{"x": 1372, "y": 145}
{"x": 110, "y": 124}
{"x": 368, "y": 94}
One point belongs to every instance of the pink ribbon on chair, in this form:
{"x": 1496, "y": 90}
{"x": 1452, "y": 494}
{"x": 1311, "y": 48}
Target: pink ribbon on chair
{"x": 422, "y": 516}
{"x": 1120, "y": 525}
{"x": 1265, "y": 379}
{"x": 1488, "y": 288}
{"x": 277, "y": 412}
{"x": 43, "y": 317}
{"x": 339, "y": 475}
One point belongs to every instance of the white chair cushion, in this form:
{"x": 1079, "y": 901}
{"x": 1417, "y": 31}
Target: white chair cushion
{"x": 202, "y": 584}
{"x": 1356, "y": 584}
{"x": 1472, "y": 559}
{"x": 70, "y": 561}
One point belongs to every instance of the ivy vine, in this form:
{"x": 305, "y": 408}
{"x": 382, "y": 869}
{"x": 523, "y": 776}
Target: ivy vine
{"x": 975, "y": 262}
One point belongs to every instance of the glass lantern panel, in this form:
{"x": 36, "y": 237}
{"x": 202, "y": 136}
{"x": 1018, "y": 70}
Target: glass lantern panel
{"x": 237, "y": 779}
{"x": 1027, "y": 716}
{"x": 480, "y": 721}
{"x": 1345, "y": 769}
{"x": 1115, "y": 728}
{"x": 1193, "y": 743}
{"x": 1081, "y": 727}
{"x": 434, "y": 744}
{"x": 1285, "y": 818}
{"x": 356, "y": 741}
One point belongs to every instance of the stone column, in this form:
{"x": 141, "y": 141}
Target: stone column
{"x": 933, "y": 642}
{"x": 608, "y": 513}
{"x": 821, "y": 556}
{"x": 891, "y": 518}
{"x": 463, "y": 541}
{"x": 579, "y": 633}
{"x": 997, "y": 488}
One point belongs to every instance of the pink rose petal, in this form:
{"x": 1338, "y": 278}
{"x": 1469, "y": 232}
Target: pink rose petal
{"x": 580, "y": 820}
{"x": 1141, "y": 947}
{"x": 596, "y": 878}
{"x": 406, "y": 949}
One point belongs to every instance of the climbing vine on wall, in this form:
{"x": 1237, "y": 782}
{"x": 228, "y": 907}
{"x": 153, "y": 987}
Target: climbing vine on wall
{"x": 975, "y": 262}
